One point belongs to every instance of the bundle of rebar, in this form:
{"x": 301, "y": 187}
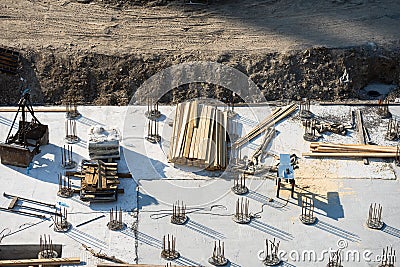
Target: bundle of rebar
{"x": 71, "y": 136}
{"x": 178, "y": 213}
{"x": 168, "y": 248}
{"x": 335, "y": 259}
{"x": 60, "y": 221}
{"x": 46, "y": 248}
{"x": 242, "y": 211}
{"x": 271, "y": 250}
{"x": 307, "y": 211}
{"x": 374, "y": 220}
{"x": 239, "y": 185}
{"x": 64, "y": 186}
{"x": 276, "y": 115}
{"x": 218, "y": 257}
{"x": 115, "y": 222}
{"x": 388, "y": 257}
{"x": 350, "y": 150}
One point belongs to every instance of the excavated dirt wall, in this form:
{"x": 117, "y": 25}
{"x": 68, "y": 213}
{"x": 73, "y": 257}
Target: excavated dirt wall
{"x": 317, "y": 73}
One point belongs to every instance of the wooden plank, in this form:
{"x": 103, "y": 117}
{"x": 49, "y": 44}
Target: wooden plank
{"x": 13, "y": 202}
{"x": 351, "y": 155}
{"x": 360, "y": 131}
{"x": 54, "y": 261}
{"x": 133, "y": 265}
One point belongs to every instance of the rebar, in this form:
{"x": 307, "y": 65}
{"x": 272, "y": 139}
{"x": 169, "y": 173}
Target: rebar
{"x": 383, "y": 109}
{"x": 152, "y": 112}
{"x": 179, "y": 213}
{"x": 61, "y": 223}
{"x": 239, "y": 185}
{"x": 374, "y": 220}
{"x": 271, "y": 249}
{"x": 335, "y": 259}
{"x": 218, "y": 256}
{"x": 72, "y": 109}
{"x": 152, "y": 132}
{"x": 307, "y": 211}
{"x": 66, "y": 157}
{"x": 304, "y": 109}
{"x": 310, "y": 131}
{"x": 388, "y": 257}
{"x": 115, "y": 222}
{"x": 168, "y": 248}
{"x": 71, "y": 136}
{"x": 392, "y": 130}
{"x": 242, "y": 211}
{"x": 46, "y": 248}
{"x": 64, "y": 186}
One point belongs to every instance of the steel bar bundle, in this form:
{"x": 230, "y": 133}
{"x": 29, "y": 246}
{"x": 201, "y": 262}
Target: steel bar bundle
{"x": 350, "y": 150}
{"x": 199, "y": 136}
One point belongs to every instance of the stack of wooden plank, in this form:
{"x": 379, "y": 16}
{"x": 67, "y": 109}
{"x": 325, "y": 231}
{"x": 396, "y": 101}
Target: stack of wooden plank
{"x": 199, "y": 136}
{"x": 276, "y": 115}
{"x": 350, "y": 150}
{"x": 99, "y": 181}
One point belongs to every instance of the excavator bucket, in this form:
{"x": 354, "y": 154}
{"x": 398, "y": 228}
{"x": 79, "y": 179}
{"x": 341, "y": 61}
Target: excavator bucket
{"x": 16, "y": 155}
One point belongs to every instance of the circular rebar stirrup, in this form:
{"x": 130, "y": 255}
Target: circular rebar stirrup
{"x": 307, "y": 219}
{"x": 221, "y": 262}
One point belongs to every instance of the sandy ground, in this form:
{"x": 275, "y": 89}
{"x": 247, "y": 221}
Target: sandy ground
{"x": 249, "y": 26}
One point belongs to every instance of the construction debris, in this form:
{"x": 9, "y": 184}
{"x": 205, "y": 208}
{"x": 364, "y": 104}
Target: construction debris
{"x": 218, "y": 257}
{"x": 104, "y": 143}
{"x": 168, "y": 249}
{"x": 115, "y": 222}
{"x": 350, "y": 150}
{"x": 199, "y": 136}
{"x": 66, "y": 157}
{"x": 64, "y": 186}
{"x": 242, "y": 215}
{"x": 374, "y": 220}
{"x": 60, "y": 221}
{"x": 20, "y": 148}
{"x": 179, "y": 214}
{"x": 239, "y": 185}
{"x": 271, "y": 250}
{"x": 307, "y": 211}
{"x": 103, "y": 255}
{"x": 99, "y": 181}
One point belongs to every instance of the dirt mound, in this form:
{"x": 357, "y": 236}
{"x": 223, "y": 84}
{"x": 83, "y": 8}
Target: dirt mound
{"x": 318, "y": 73}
